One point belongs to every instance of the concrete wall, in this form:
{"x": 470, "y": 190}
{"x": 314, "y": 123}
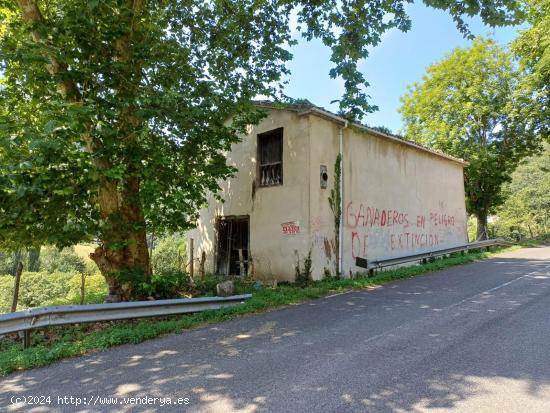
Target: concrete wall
{"x": 272, "y": 251}
{"x": 324, "y": 150}
{"x": 397, "y": 199}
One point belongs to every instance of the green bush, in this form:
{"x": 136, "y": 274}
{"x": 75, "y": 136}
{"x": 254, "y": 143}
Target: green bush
{"x": 303, "y": 275}
{"x": 39, "y": 289}
{"x": 8, "y": 261}
{"x": 167, "y": 285}
{"x": 169, "y": 255}
{"x": 176, "y": 285}
{"x": 66, "y": 260}
{"x": 207, "y": 286}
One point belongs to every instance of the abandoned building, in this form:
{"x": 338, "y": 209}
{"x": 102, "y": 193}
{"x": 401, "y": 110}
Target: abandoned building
{"x": 396, "y": 198}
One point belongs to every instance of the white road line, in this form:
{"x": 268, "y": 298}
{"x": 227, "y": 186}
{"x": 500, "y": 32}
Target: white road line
{"x": 499, "y": 286}
{"x": 422, "y": 319}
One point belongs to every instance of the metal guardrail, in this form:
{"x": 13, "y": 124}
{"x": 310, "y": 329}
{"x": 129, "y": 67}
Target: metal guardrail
{"x": 374, "y": 264}
{"x": 74, "y": 314}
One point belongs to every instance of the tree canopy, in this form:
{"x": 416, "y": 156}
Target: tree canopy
{"x": 114, "y": 113}
{"x": 526, "y": 210}
{"x": 532, "y": 47}
{"x": 469, "y": 105}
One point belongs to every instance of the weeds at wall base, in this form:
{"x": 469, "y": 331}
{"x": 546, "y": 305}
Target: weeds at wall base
{"x": 57, "y": 343}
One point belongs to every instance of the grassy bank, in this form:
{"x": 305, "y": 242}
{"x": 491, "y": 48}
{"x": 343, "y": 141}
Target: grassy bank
{"x": 57, "y": 343}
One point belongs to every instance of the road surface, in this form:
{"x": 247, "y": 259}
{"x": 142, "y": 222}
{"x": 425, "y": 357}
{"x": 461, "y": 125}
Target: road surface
{"x": 474, "y": 338}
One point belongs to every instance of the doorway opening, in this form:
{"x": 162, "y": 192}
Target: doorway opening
{"x": 233, "y": 245}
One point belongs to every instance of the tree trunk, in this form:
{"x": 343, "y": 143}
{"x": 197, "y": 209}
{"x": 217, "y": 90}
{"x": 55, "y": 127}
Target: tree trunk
{"x": 16, "y": 260}
{"x": 18, "y": 272}
{"x": 123, "y": 266}
{"x": 34, "y": 259}
{"x": 481, "y": 226}
{"x": 123, "y": 256}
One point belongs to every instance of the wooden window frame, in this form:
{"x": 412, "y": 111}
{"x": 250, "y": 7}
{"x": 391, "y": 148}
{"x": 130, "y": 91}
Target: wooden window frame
{"x": 260, "y": 136}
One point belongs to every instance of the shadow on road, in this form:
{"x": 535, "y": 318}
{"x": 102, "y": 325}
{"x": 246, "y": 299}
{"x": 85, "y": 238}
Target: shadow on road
{"x": 478, "y": 333}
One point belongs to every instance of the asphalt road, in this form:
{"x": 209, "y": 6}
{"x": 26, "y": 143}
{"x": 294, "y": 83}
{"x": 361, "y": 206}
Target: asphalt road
{"x": 474, "y": 338}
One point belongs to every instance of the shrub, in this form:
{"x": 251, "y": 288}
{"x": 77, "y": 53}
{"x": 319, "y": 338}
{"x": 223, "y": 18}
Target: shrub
{"x": 8, "y": 261}
{"x": 169, "y": 255}
{"x": 303, "y": 275}
{"x": 207, "y": 286}
{"x": 167, "y": 285}
{"x": 66, "y": 260}
{"x": 39, "y": 289}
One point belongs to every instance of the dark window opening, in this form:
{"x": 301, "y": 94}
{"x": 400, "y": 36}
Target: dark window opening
{"x": 270, "y": 158}
{"x": 233, "y": 250}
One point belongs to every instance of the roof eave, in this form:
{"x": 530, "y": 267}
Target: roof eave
{"x": 338, "y": 119}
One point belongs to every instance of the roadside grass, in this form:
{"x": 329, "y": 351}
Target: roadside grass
{"x": 55, "y": 343}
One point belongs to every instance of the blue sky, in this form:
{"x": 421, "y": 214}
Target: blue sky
{"x": 399, "y": 60}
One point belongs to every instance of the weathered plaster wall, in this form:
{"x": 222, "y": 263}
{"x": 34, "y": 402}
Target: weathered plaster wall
{"x": 272, "y": 251}
{"x": 398, "y": 200}
{"x": 324, "y": 150}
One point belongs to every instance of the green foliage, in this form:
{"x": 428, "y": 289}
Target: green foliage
{"x": 303, "y": 272}
{"x": 39, "y": 289}
{"x": 382, "y": 129}
{"x": 57, "y": 343}
{"x": 66, "y": 260}
{"x": 7, "y": 262}
{"x": 130, "y": 100}
{"x": 207, "y": 286}
{"x": 169, "y": 280}
{"x": 165, "y": 285}
{"x": 34, "y": 260}
{"x": 335, "y": 202}
{"x": 169, "y": 255}
{"x": 334, "y": 199}
{"x": 468, "y": 105}
{"x": 532, "y": 47}
{"x": 9, "y": 259}
{"x": 526, "y": 211}
{"x": 472, "y": 228}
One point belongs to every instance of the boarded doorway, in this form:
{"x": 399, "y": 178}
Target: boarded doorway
{"x": 233, "y": 241}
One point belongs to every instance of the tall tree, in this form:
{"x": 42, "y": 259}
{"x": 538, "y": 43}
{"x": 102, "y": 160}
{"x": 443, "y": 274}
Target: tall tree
{"x": 527, "y": 206}
{"x": 34, "y": 259}
{"x": 114, "y": 112}
{"x": 467, "y": 105}
{"x": 532, "y": 47}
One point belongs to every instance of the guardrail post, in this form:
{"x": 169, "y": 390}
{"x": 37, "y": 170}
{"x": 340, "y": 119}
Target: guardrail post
{"x": 26, "y": 338}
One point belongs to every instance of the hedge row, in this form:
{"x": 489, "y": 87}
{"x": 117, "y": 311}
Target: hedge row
{"x": 38, "y": 289}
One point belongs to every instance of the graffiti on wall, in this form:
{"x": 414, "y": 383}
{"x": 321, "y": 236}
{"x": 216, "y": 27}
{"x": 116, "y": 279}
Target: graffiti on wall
{"x": 320, "y": 242}
{"x": 395, "y": 229}
{"x": 290, "y": 228}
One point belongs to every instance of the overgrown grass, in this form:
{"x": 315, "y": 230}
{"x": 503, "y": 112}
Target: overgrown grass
{"x": 57, "y": 343}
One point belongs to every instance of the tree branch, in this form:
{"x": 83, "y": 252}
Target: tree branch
{"x": 31, "y": 14}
